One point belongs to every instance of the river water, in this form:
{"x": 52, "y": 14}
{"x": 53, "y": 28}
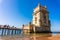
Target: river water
{"x": 38, "y": 36}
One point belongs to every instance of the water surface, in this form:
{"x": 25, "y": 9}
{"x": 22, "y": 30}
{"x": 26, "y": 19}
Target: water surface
{"x": 39, "y": 36}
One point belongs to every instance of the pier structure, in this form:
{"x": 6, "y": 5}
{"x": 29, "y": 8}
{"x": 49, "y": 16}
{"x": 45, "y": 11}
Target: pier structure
{"x": 7, "y": 30}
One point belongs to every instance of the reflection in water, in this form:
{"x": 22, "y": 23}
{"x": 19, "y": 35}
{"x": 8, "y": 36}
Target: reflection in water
{"x": 38, "y": 36}
{"x": 28, "y": 37}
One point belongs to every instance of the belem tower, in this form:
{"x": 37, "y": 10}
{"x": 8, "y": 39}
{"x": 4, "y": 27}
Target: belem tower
{"x": 40, "y": 21}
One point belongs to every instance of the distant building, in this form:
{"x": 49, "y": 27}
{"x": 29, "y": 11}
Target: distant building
{"x": 40, "y": 21}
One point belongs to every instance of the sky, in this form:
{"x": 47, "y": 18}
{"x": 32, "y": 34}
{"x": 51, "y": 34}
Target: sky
{"x": 19, "y": 12}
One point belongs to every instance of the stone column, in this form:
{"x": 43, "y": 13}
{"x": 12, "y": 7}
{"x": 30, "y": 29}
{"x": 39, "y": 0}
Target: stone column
{"x": 12, "y": 32}
{"x": 34, "y": 29}
{"x": 23, "y": 28}
{"x": 2, "y": 31}
{"x": 6, "y": 31}
{"x": 15, "y": 32}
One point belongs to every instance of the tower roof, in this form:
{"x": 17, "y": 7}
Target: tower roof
{"x": 37, "y": 8}
{"x": 38, "y": 4}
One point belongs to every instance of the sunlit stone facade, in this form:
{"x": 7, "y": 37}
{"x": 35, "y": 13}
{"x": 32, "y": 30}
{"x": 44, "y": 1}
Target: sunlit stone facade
{"x": 40, "y": 21}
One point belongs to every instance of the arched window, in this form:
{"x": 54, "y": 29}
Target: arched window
{"x": 35, "y": 19}
{"x": 44, "y": 18}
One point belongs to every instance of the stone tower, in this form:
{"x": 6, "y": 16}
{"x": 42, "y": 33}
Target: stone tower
{"x": 40, "y": 19}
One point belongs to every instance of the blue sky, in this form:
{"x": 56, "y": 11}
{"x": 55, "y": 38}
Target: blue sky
{"x": 18, "y": 12}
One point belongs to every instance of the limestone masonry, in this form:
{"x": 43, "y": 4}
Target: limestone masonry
{"x": 40, "y": 21}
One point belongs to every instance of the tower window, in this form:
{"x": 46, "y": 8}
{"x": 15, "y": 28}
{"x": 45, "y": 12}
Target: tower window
{"x": 44, "y": 16}
{"x": 35, "y": 19}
